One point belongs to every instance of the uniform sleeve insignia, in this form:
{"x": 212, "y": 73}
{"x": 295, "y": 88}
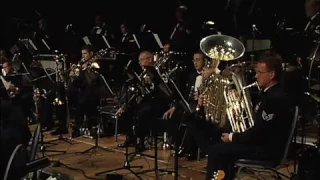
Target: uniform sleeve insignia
{"x": 267, "y": 117}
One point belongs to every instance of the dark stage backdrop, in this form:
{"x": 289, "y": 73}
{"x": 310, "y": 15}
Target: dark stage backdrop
{"x": 159, "y": 14}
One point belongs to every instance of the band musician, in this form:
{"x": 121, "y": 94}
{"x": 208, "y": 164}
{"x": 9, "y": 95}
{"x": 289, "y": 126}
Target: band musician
{"x": 140, "y": 113}
{"x": 191, "y": 94}
{"x": 266, "y": 139}
{"x": 84, "y": 89}
{"x": 13, "y": 123}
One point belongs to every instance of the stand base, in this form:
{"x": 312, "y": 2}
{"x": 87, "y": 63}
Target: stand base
{"x": 157, "y": 172}
{"x": 126, "y": 166}
{"x": 43, "y": 149}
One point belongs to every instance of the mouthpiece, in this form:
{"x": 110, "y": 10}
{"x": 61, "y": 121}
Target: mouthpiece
{"x": 250, "y": 85}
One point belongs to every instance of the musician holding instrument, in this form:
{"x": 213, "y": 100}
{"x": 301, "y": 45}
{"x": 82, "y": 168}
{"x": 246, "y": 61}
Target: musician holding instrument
{"x": 140, "y": 111}
{"x": 265, "y": 140}
{"x": 191, "y": 95}
{"x": 87, "y": 82}
{"x": 13, "y": 123}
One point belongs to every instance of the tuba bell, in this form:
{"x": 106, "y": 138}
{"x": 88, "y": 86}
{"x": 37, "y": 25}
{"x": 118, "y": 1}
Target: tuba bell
{"x": 226, "y": 99}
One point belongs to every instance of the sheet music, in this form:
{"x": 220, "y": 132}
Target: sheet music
{"x": 135, "y": 38}
{"x": 158, "y": 40}
{"x": 45, "y": 43}
{"x": 5, "y": 83}
{"x": 33, "y": 45}
{"x": 86, "y": 40}
{"x": 105, "y": 40}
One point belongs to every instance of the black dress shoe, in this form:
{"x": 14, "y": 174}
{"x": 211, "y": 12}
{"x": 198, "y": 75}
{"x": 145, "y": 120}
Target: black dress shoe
{"x": 191, "y": 157}
{"x": 126, "y": 144}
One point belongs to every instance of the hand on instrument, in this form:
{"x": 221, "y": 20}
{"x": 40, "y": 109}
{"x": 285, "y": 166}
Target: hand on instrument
{"x": 196, "y": 95}
{"x": 225, "y": 137}
{"x": 169, "y": 113}
{"x": 85, "y": 65}
{"x": 120, "y": 111}
{"x": 206, "y": 72}
{"x": 201, "y": 100}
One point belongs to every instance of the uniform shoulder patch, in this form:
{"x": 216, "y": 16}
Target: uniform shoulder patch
{"x": 267, "y": 117}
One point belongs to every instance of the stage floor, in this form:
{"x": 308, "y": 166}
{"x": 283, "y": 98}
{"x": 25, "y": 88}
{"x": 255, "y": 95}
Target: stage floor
{"x": 75, "y": 165}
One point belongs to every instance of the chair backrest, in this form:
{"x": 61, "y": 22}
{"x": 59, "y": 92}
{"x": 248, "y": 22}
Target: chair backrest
{"x": 290, "y": 136}
{"x": 17, "y": 164}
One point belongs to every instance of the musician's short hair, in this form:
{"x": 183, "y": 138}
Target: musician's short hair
{"x": 147, "y": 53}
{"x": 273, "y": 62}
{"x": 88, "y": 47}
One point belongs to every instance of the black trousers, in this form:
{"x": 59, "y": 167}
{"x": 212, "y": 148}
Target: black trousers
{"x": 221, "y": 156}
{"x": 204, "y": 133}
{"x": 137, "y": 122}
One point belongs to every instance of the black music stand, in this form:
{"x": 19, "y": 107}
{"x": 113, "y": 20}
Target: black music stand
{"x": 162, "y": 89}
{"x": 43, "y": 80}
{"x": 99, "y": 120}
{"x": 126, "y": 164}
{"x": 98, "y": 41}
{"x": 148, "y": 41}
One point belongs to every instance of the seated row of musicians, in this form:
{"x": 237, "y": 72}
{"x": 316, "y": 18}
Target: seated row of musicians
{"x": 266, "y": 140}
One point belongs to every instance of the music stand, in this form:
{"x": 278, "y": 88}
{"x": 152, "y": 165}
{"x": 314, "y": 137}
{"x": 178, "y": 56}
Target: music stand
{"x": 162, "y": 89}
{"x": 99, "y": 125}
{"x": 22, "y": 50}
{"x": 148, "y": 41}
{"x": 97, "y": 41}
{"x": 126, "y": 164}
{"x": 41, "y": 80}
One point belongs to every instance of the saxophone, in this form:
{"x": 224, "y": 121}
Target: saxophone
{"x": 226, "y": 98}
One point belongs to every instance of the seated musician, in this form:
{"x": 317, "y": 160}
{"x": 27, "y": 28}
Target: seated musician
{"x": 142, "y": 112}
{"x": 85, "y": 87}
{"x": 191, "y": 95}
{"x": 266, "y": 139}
{"x": 14, "y": 128}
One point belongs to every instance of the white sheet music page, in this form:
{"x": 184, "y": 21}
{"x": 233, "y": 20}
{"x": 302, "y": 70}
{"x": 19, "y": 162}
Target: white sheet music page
{"x": 158, "y": 40}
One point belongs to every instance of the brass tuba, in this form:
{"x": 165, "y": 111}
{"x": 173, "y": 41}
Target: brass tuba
{"x": 225, "y": 95}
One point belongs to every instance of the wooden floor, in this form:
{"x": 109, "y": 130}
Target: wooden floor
{"x": 75, "y": 165}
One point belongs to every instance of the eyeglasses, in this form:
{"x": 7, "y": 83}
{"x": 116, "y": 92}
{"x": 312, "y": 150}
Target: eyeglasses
{"x": 260, "y": 72}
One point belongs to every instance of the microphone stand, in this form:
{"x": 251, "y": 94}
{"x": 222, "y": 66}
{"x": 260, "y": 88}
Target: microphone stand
{"x": 253, "y": 47}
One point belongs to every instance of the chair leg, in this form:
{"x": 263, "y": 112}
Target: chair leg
{"x": 238, "y": 173}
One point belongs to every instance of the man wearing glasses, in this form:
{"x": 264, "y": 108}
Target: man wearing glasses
{"x": 266, "y": 139}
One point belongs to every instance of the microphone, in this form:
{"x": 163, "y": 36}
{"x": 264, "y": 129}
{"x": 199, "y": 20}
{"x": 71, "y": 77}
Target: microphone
{"x": 250, "y": 85}
{"x": 254, "y": 28}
